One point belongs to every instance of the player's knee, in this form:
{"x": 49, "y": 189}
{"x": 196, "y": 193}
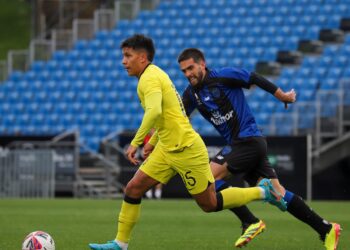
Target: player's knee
{"x": 133, "y": 189}
{"x": 208, "y": 207}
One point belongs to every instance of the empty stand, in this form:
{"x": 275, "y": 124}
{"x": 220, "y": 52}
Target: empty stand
{"x": 87, "y": 87}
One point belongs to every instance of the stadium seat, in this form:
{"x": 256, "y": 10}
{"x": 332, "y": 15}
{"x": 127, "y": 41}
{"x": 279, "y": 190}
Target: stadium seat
{"x": 90, "y": 79}
{"x": 330, "y": 83}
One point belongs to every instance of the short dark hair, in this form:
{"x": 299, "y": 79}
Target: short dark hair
{"x": 194, "y": 53}
{"x": 139, "y": 41}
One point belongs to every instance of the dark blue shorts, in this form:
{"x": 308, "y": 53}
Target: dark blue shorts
{"x": 247, "y": 157}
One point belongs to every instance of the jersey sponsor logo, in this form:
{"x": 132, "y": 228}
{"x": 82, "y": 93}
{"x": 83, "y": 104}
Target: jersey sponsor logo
{"x": 219, "y": 157}
{"x": 219, "y": 119}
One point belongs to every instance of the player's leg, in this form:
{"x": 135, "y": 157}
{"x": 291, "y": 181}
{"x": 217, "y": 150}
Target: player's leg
{"x": 131, "y": 206}
{"x": 192, "y": 164}
{"x": 221, "y": 172}
{"x": 152, "y": 171}
{"x": 296, "y": 206}
{"x": 129, "y": 212}
{"x": 241, "y": 158}
{"x": 243, "y": 213}
{"x": 251, "y": 225}
{"x": 210, "y": 201}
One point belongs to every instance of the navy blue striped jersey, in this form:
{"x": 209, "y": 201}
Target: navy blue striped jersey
{"x": 220, "y": 100}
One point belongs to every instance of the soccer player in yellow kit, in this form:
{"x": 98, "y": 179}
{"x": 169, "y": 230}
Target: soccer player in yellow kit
{"x": 174, "y": 148}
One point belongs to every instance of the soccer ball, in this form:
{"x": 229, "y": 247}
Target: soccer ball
{"x": 38, "y": 240}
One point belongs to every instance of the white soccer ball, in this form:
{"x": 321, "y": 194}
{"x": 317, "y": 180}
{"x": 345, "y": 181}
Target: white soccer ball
{"x": 38, "y": 240}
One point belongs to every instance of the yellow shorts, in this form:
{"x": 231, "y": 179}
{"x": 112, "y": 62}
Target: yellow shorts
{"x": 192, "y": 163}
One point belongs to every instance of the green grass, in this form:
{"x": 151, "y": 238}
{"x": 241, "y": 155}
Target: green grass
{"x": 164, "y": 225}
{"x": 15, "y": 26}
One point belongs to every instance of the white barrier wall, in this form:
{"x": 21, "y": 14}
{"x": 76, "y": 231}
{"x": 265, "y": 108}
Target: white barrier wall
{"x": 27, "y": 173}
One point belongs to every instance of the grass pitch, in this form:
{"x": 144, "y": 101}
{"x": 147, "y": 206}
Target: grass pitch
{"x": 164, "y": 225}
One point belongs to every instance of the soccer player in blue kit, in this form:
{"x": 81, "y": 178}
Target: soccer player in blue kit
{"x": 218, "y": 96}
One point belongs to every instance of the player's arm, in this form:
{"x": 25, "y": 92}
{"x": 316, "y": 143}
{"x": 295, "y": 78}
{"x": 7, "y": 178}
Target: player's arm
{"x": 244, "y": 79}
{"x": 149, "y": 146}
{"x": 263, "y": 83}
{"x": 154, "y": 138}
{"x": 188, "y": 102}
{"x": 153, "y": 109}
{"x": 241, "y": 78}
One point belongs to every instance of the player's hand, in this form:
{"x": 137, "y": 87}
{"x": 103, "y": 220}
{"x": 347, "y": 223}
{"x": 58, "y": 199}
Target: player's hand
{"x": 286, "y": 97}
{"x": 289, "y": 97}
{"x": 147, "y": 149}
{"x": 131, "y": 155}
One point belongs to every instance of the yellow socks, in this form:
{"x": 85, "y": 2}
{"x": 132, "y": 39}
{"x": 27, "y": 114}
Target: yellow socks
{"x": 128, "y": 216}
{"x": 236, "y": 197}
{"x": 230, "y": 198}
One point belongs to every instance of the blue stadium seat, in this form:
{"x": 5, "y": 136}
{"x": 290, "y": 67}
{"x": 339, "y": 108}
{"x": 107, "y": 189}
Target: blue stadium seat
{"x": 307, "y": 114}
{"x": 90, "y": 78}
{"x": 346, "y": 73}
{"x": 320, "y": 72}
{"x": 330, "y": 83}
{"x": 19, "y": 109}
{"x": 47, "y": 108}
{"x": 73, "y": 55}
{"x": 306, "y": 95}
{"x": 263, "y": 118}
{"x": 59, "y": 55}
{"x": 333, "y": 21}
{"x": 81, "y": 45}
{"x": 332, "y": 100}
{"x": 15, "y": 76}
{"x": 37, "y": 66}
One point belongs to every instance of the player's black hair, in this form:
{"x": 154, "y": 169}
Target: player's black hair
{"x": 138, "y": 42}
{"x": 194, "y": 53}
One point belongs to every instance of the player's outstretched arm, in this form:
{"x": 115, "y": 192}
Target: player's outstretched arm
{"x": 265, "y": 84}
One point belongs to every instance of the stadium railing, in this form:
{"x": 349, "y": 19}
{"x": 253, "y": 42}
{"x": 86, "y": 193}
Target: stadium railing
{"x": 3, "y": 71}
{"x": 345, "y": 86}
{"x": 104, "y": 19}
{"x": 284, "y": 124}
{"x": 128, "y": 9}
{"x": 17, "y": 60}
{"x": 27, "y": 173}
{"x": 62, "y": 40}
{"x": 100, "y": 178}
{"x": 329, "y": 114}
{"x": 40, "y": 50}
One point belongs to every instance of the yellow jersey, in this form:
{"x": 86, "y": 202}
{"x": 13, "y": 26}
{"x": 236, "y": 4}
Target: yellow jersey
{"x": 172, "y": 124}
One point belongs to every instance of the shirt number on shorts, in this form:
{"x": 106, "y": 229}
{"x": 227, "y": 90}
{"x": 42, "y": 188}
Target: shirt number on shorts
{"x": 190, "y": 180}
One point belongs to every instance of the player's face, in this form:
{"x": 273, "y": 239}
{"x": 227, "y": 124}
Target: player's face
{"x": 133, "y": 61}
{"x": 193, "y": 71}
